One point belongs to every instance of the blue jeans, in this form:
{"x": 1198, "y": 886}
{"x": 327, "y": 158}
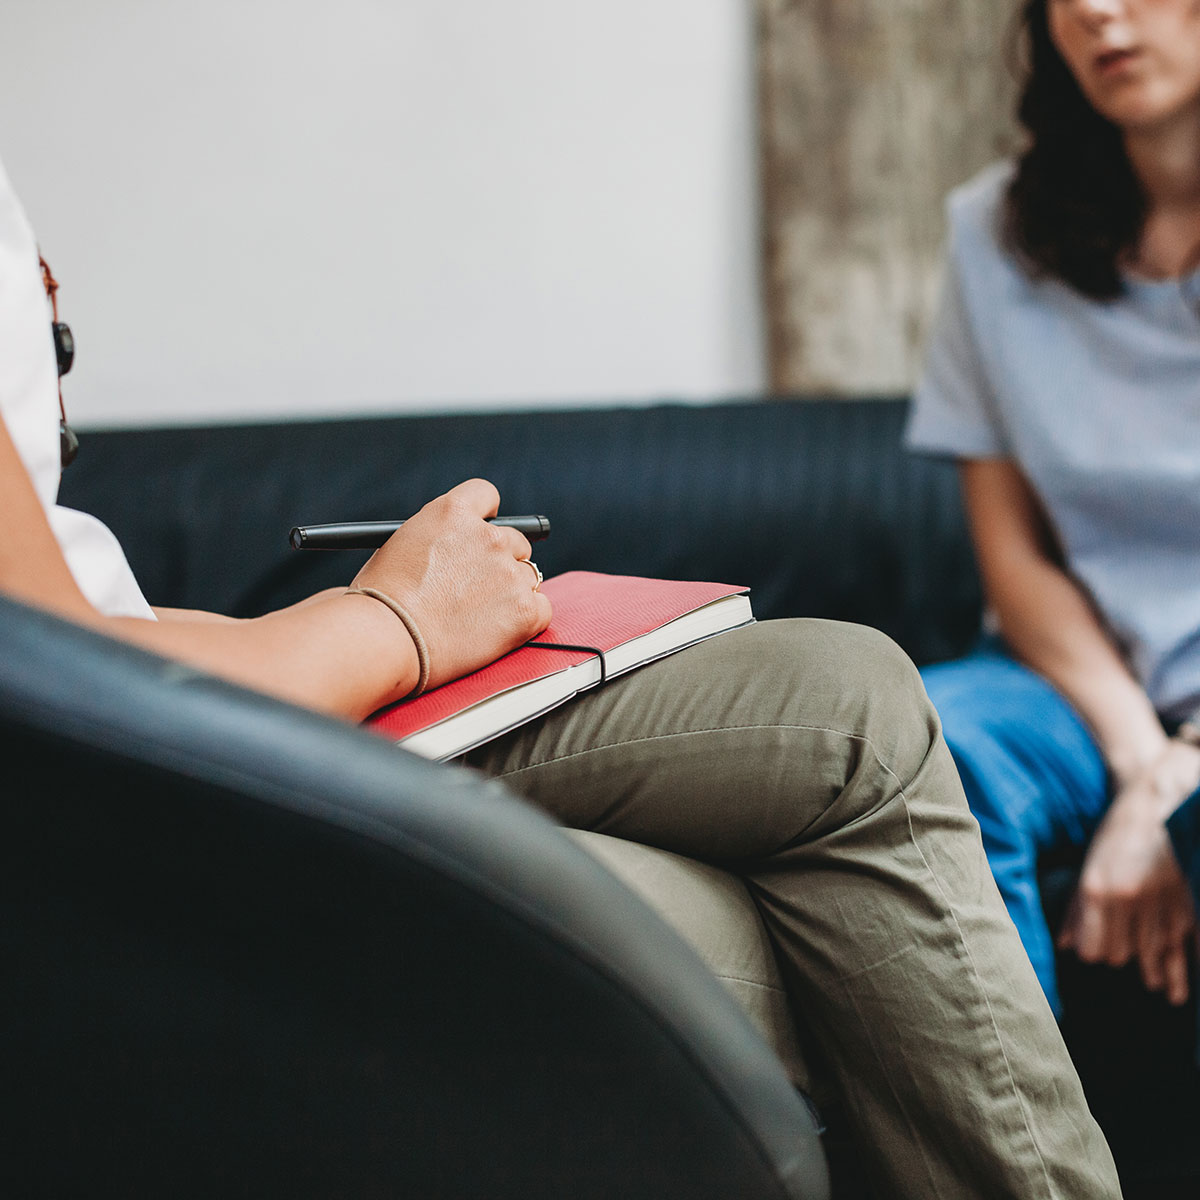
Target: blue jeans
{"x": 1034, "y": 778}
{"x": 1184, "y": 828}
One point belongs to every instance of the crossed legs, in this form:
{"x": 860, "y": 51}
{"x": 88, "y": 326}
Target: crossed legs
{"x": 804, "y": 757}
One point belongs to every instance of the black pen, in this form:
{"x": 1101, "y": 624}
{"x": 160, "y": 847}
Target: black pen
{"x": 370, "y": 535}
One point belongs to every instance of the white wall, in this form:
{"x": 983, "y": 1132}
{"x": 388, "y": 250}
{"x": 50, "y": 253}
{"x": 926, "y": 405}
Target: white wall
{"x": 272, "y": 207}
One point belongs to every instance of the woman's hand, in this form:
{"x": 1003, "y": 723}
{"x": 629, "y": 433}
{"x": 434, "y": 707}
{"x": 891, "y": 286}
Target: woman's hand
{"x": 458, "y": 577}
{"x": 1133, "y": 900}
{"x": 461, "y": 580}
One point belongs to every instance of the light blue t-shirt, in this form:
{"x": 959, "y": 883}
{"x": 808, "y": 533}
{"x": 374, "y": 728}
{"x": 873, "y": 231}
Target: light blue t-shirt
{"x": 1099, "y": 405}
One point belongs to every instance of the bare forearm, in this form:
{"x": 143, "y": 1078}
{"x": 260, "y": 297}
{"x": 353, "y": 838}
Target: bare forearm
{"x": 462, "y": 582}
{"x": 344, "y": 655}
{"x": 191, "y": 614}
{"x": 197, "y": 614}
{"x": 1052, "y": 627}
{"x": 1048, "y": 620}
{"x": 1132, "y": 899}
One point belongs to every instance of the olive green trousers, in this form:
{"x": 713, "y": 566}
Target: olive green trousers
{"x": 804, "y": 757}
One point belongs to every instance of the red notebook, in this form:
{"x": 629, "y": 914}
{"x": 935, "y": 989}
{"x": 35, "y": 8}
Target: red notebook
{"x": 618, "y": 622}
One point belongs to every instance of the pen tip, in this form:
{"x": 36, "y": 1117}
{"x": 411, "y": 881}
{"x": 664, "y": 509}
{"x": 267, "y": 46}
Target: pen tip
{"x": 296, "y": 537}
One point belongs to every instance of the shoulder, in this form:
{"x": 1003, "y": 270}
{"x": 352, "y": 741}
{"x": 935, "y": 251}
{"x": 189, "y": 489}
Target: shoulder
{"x": 975, "y": 210}
{"x": 15, "y": 233}
{"x": 979, "y": 260}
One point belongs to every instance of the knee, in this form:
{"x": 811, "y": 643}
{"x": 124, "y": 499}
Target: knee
{"x": 848, "y": 682}
{"x": 871, "y": 731}
{"x": 874, "y": 657}
{"x": 880, "y": 696}
{"x": 881, "y": 680}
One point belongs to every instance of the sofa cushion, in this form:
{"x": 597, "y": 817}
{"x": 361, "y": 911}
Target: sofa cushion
{"x": 814, "y": 504}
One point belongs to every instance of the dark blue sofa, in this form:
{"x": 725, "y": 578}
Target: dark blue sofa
{"x": 813, "y": 503}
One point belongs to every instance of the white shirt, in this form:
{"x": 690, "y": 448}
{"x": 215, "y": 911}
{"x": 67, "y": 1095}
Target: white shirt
{"x": 29, "y": 407}
{"x": 1099, "y": 405}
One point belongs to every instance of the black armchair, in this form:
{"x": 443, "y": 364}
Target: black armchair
{"x": 250, "y": 951}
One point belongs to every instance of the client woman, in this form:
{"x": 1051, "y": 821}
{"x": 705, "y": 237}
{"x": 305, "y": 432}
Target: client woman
{"x": 801, "y": 755}
{"x": 1064, "y": 374}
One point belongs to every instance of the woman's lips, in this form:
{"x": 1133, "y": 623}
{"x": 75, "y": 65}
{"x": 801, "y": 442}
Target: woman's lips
{"x": 1111, "y": 62}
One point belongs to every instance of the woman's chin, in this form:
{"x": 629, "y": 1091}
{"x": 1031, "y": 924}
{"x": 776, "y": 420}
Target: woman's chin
{"x": 1142, "y": 110}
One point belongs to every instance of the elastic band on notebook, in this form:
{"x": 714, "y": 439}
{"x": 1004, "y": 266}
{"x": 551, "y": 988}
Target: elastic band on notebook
{"x": 579, "y": 650}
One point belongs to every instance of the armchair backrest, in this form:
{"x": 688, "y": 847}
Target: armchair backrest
{"x": 252, "y": 951}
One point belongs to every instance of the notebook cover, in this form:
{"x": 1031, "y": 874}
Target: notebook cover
{"x": 590, "y": 609}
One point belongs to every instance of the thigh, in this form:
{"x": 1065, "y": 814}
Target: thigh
{"x": 805, "y": 757}
{"x": 731, "y": 749}
{"x": 1025, "y": 756}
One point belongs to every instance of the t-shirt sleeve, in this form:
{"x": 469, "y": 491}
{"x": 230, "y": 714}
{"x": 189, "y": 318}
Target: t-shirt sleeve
{"x": 952, "y": 404}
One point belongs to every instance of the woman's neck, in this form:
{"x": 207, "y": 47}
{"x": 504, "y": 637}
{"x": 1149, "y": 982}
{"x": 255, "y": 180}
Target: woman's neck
{"x": 1166, "y": 161}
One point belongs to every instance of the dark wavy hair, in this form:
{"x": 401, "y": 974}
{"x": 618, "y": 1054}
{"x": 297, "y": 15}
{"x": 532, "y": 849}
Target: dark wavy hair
{"x": 1074, "y": 206}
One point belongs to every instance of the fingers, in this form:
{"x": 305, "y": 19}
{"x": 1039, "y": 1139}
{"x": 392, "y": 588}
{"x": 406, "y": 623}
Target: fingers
{"x": 544, "y": 612}
{"x": 1155, "y": 927}
{"x": 1175, "y": 970}
{"x": 1119, "y": 942}
{"x": 482, "y": 499}
{"x": 517, "y": 544}
{"x": 1164, "y": 960}
{"x": 541, "y": 612}
{"x": 1168, "y": 927}
{"x": 1100, "y": 927}
{"x": 1091, "y": 936}
{"x": 1068, "y": 935}
{"x": 478, "y": 495}
{"x": 1180, "y": 934}
{"x": 1154, "y": 951}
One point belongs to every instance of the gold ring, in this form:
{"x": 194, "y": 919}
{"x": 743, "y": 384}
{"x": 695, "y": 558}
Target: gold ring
{"x": 537, "y": 582}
